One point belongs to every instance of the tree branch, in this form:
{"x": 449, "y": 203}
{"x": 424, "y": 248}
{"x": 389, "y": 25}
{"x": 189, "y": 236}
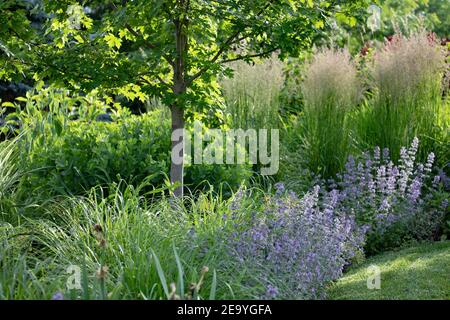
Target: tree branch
{"x": 222, "y": 49}
{"x": 161, "y": 80}
{"x": 249, "y": 56}
{"x": 134, "y": 33}
{"x": 214, "y": 59}
{"x": 148, "y": 43}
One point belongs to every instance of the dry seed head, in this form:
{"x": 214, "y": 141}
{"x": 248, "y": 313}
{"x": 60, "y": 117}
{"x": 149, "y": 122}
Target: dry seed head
{"x": 205, "y": 269}
{"x": 406, "y": 64}
{"x": 102, "y": 272}
{"x": 331, "y": 77}
{"x": 98, "y": 228}
{"x": 173, "y": 295}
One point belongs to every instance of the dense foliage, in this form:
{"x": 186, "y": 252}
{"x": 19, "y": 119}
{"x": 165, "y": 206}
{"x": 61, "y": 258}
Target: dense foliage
{"x": 80, "y": 155}
{"x": 91, "y": 92}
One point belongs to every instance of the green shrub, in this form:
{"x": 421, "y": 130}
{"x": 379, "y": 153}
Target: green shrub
{"x": 84, "y": 154}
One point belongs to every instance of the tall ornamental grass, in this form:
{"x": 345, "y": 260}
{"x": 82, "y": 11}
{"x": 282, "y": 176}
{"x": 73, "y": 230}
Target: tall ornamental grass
{"x": 252, "y": 94}
{"x": 407, "y": 75}
{"x": 331, "y": 89}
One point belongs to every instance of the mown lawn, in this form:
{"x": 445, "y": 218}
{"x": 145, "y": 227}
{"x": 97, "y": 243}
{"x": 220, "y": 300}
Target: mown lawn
{"x": 420, "y": 272}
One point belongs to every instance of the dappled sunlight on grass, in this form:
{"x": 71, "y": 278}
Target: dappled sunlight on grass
{"x": 421, "y": 272}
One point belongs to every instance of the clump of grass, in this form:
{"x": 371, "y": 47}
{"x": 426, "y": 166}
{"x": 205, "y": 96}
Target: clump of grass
{"x": 125, "y": 246}
{"x": 136, "y": 250}
{"x": 331, "y": 89}
{"x": 10, "y": 173}
{"x": 407, "y": 101}
{"x": 252, "y": 94}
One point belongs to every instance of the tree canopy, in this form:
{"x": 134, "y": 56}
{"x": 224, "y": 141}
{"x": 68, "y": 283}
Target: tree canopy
{"x": 170, "y": 49}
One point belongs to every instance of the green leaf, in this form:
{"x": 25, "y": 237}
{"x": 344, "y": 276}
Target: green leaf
{"x": 113, "y": 41}
{"x": 161, "y": 275}
{"x": 58, "y": 126}
{"x": 319, "y": 24}
{"x": 212, "y": 293}
{"x": 8, "y": 104}
{"x": 79, "y": 38}
{"x": 180, "y": 272}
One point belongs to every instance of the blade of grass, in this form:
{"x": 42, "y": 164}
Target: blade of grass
{"x": 161, "y": 275}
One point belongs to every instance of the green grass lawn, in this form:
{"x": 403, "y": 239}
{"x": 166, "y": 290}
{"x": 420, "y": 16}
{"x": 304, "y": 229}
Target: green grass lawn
{"x": 421, "y": 272}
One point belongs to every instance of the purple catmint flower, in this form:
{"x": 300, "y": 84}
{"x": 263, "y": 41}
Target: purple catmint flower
{"x": 58, "y": 296}
{"x": 385, "y": 206}
{"x": 279, "y": 187}
{"x": 305, "y": 242}
{"x": 436, "y": 180}
{"x": 414, "y": 147}
{"x": 403, "y": 154}
{"x": 235, "y": 204}
{"x": 381, "y": 175}
{"x": 391, "y": 182}
{"x": 376, "y": 154}
{"x": 381, "y": 191}
{"x": 430, "y": 161}
{"x": 272, "y": 292}
{"x": 386, "y": 155}
{"x": 444, "y": 204}
{"x": 312, "y": 241}
{"x": 415, "y": 190}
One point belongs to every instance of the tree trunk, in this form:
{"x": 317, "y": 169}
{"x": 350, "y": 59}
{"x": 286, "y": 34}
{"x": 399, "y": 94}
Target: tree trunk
{"x": 176, "y": 169}
{"x": 179, "y": 89}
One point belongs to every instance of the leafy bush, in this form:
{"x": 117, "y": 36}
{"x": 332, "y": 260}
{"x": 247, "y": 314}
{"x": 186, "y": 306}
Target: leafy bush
{"x": 83, "y": 154}
{"x": 295, "y": 247}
